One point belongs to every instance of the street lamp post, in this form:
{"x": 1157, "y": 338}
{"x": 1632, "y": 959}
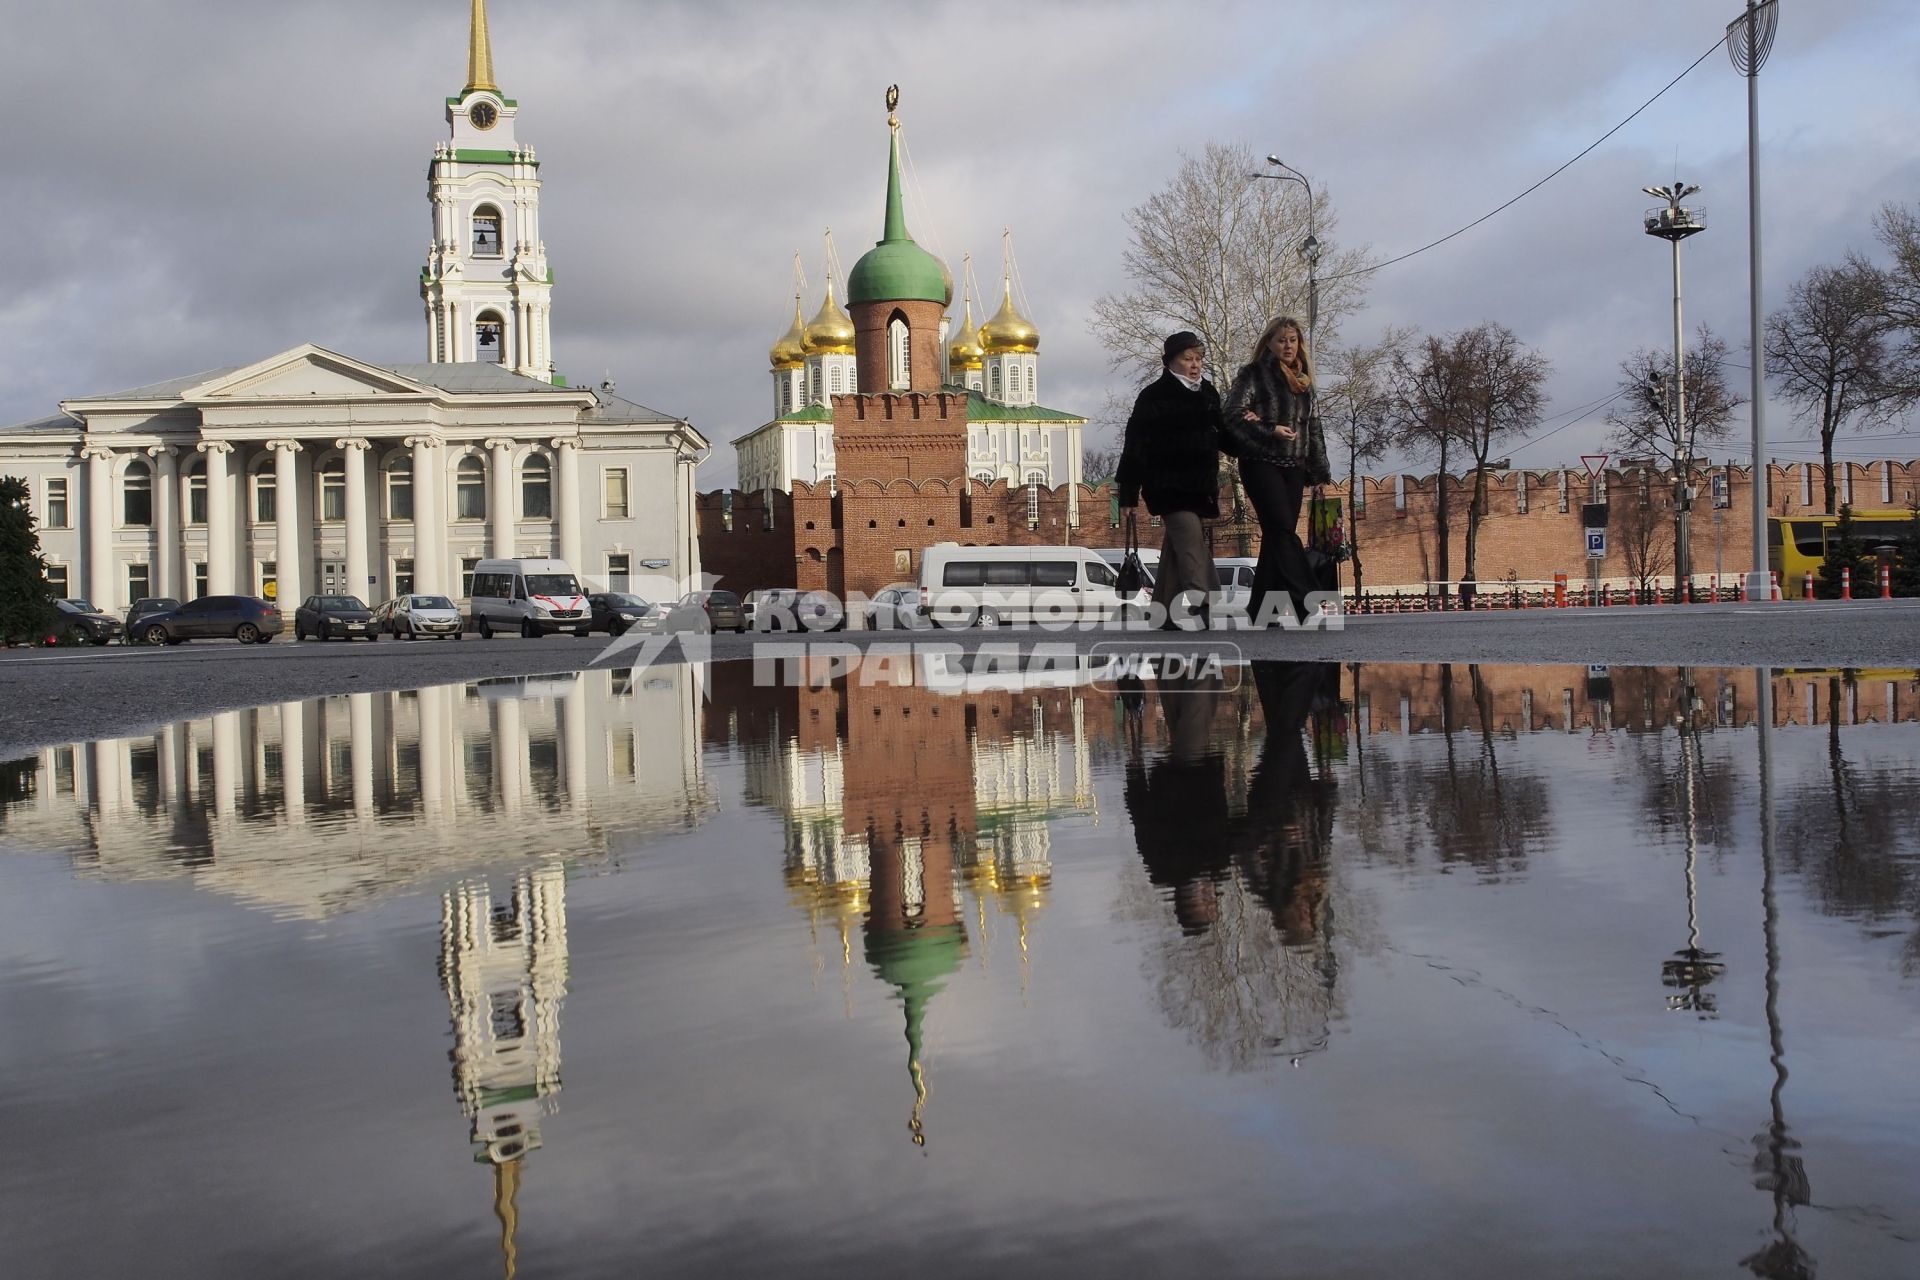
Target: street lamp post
{"x": 1309, "y": 248}
{"x": 1673, "y": 224}
{"x": 1749, "y": 39}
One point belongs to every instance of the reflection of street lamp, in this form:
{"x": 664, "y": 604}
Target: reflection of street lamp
{"x": 1673, "y": 224}
{"x": 1691, "y": 968}
{"x": 1309, "y": 248}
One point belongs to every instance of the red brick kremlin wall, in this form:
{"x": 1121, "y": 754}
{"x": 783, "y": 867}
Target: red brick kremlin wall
{"x": 871, "y": 532}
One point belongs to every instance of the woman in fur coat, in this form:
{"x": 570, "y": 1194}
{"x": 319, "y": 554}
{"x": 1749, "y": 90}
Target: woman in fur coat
{"x": 1269, "y": 409}
{"x": 1172, "y": 455}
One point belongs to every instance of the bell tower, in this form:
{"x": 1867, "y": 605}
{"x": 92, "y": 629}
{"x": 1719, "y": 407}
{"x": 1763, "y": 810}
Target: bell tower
{"x": 486, "y": 285}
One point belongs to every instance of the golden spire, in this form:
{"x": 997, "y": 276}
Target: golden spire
{"x": 506, "y": 1186}
{"x": 480, "y": 52}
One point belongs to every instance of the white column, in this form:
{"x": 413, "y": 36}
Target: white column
{"x": 360, "y": 751}
{"x": 226, "y": 761}
{"x": 500, "y": 499}
{"x": 354, "y": 451}
{"x": 220, "y": 531}
{"x": 427, "y": 529}
{"x": 433, "y": 750}
{"x": 101, "y": 518}
{"x": 509, "y": 753}
{"x": 167, "y": 519}
{"x": 286, "y": 538}
{"x": 293, "y": 760}
{"x": 573, "y": 739}
{"x": 566, "y": 507}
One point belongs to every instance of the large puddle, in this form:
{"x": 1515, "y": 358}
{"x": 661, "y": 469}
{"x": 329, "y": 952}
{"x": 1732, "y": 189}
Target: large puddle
{"x": 1302, "y": 970}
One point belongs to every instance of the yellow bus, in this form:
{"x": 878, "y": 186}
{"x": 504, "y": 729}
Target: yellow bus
{"x": 1797, "y": 545}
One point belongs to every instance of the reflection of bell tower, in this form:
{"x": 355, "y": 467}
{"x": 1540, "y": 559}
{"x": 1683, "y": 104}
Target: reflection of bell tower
{"x": 503, "y": 966}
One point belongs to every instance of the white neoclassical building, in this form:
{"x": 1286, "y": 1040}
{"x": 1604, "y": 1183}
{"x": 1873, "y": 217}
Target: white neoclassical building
{"x": 311, "y": 471}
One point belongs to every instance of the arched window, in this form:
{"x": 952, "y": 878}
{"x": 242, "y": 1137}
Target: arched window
{"x": 333, "y": 490}
{"x": 1034, "y": 479}
{"x": 786, "y": 395}
{"x": 265, "y": 504}
{"x": 983, "y": 477}
{"x": 136, "y": 494}
{"x": 470, "y": 490}
{"x": 1030, "y": 382}
{"x": 486, "y": 232}
{"x": 993, "y": 381}
{"x": 899, "y": 354}
{"x": 197, "y": 493}
{"x": 833, "y": 380}
{"x": 490, "y": 338}
{"x": 400, "y": 489}
{"x": 813, "y": 385}
{"x": 536, "y": 489}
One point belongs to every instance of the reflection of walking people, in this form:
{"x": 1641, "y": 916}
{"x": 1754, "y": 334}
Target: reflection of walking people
{"x": 1283, "y": 841}
{"x": 1178, "y": 804}
{"x": 1269, "y": 417}
{"x": 1172, "y": 456}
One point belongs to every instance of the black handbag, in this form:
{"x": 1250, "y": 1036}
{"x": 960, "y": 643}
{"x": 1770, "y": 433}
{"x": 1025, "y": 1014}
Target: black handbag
{"x": 1133, "y": 574}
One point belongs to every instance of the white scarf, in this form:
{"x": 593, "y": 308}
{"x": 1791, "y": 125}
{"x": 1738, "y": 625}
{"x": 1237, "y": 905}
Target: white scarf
{"x": 1191, "y": 384}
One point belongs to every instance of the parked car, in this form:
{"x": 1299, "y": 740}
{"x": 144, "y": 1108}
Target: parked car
{"x": 988, "y": 586}
{"x": 617, "y": 612}
{"x": 248, "y": 619}
{"x": 790, "y": 609}
{"x": 706, "y": 611}
{"x": 411, "y": 617}
{"x": 324, "y": 617}
{"x": 149, "y": 604}
{"x": 81, "y": 623}
{"x": 532, "y": 597}
{"x": 897, "y": 608}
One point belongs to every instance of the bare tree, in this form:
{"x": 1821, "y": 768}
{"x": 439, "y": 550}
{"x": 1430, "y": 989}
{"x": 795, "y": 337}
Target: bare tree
{"x": 1898, "y": 228}
{"x": 1217, "y": 251}
{"x": 1827, "y": 352}
{"x": 1432, "y": 400}
{"x": 1637, "y": 525}
{"x": 1357, "y": 407}
{"x": 1645, "y": 420}
{"x": 1099, "y": 464}
{"x": 1505, "y": 378}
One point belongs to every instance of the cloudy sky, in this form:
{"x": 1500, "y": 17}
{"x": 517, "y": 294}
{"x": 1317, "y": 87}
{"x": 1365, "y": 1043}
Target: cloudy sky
{"x": 206, "y": 182}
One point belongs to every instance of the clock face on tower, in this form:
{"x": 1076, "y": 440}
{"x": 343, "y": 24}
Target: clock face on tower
{"x": 483, "y": 115}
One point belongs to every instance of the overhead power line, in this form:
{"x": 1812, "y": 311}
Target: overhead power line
{"x": 1584, "y": 152}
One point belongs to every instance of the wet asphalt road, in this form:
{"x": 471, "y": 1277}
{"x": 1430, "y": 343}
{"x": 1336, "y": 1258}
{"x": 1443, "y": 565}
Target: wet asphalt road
{"x": 59, "y": 696}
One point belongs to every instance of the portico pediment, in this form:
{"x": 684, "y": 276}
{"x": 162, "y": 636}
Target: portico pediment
{"x": 305, "y": 373}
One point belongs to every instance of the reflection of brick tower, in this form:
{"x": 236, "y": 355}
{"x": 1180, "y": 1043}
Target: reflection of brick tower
{"x": 909, "y": 799}
{"x": 503, "y": 966}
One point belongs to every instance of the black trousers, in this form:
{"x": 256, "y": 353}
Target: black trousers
{"x": 1275, "y": 493}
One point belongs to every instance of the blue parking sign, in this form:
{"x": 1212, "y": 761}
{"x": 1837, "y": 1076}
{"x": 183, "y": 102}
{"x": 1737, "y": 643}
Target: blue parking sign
{"x": 1597, "y": 544}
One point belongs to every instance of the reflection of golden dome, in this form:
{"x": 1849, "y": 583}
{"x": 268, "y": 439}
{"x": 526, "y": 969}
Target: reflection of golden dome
{"x": 789, "y": 351}
{"x": 964, "y": 351}
{"x": 1008, "y": 331}
{"x": 830, "y": 332}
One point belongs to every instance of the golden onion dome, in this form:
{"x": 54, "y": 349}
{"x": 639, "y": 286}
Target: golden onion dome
{"x": 964, "y": 351}
{"x": 791, "y": 349}
{"x": 1008, "y": 331}
{"x": 830, "y": 332}
{"x": 946, "y": 277}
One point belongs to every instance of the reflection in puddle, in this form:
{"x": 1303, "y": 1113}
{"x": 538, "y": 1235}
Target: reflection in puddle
{"x": 1468, "y": 904}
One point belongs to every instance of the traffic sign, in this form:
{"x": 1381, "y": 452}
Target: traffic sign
{"x": 1596, "y": 544}
{"x": 1595, "y": 463}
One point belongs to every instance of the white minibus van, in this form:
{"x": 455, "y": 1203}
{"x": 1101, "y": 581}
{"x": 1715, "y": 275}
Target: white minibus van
{"x": 987, "y": 586}
{"x": 528, "y": 597}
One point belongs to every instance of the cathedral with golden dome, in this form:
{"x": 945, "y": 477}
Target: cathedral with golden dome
{"x": 994, "y": 365}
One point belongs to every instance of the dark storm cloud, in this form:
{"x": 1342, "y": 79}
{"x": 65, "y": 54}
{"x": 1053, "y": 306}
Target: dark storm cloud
{"x": 204, "y": 183}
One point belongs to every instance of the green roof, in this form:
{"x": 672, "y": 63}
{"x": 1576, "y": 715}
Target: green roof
{"x": 896, "y": 269}
{"x": 981, "y": 409}
{"x": 812, "y": 413}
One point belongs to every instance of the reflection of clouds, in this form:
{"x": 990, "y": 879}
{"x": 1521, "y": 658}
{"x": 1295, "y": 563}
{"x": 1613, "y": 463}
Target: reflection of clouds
{"x": 312, "y": 808}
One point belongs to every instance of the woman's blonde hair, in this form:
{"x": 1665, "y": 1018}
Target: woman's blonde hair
{"x": 1272, "y": 331}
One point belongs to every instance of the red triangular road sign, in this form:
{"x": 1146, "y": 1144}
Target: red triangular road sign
{"x": 1596, "y": 462}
